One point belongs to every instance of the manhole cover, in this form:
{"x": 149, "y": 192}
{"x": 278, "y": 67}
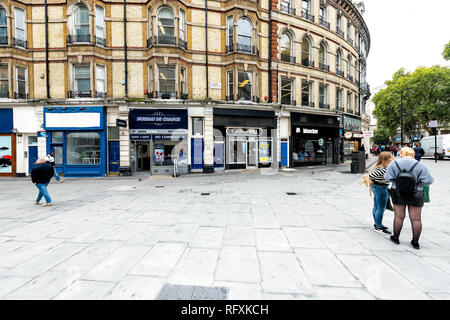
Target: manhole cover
{"x": 205, "y": 193}
{"x": 291, "y": 193}
{"x": 181, "y": 292}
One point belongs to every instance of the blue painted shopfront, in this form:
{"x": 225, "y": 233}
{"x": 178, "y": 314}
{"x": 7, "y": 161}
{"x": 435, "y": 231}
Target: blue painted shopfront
{"x": 77, "y": 135}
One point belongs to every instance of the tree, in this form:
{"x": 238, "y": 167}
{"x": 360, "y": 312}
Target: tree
{"x": 381, "y": 136}
{"x": 446, "y": 52}
{"x": 423, "y": 95}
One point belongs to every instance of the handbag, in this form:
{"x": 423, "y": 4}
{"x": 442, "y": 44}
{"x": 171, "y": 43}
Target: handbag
{"x": 389, "y": 205}
{"x": 426, "y": 193}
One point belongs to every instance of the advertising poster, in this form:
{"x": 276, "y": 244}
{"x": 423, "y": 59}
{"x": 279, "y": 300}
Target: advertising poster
{"x": 264, "y": 153}
{"x": 159, "y": 152}
{"x": 5, "y": 154}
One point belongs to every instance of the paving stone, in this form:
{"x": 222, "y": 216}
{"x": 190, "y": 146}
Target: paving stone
{"x": 340, "y": 242}
{"x": 241, "y": 290}
{"x": 208, "y": 237}
{"x": 11, "y": 283}
{"x": 302, "y": 238}
{"x": 239, "y": 235}
{"x": 180, "y": 233}
{"x": 271, "y": 240}
{"x": 136, "y": 288}
{"x": 84, "y": 290}
{"x": 238, "y": 264}
{"x": 333, "y": 293}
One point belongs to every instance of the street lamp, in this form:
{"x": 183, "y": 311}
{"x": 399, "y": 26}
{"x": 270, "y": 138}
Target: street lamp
{"x": 401, "y": 119}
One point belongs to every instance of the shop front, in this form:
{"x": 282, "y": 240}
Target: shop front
{"x": 352, "y": 136}
{"x": 77, "y": 135}
{"x": 243, "y": 139}
{"x": 314, "y": 139}
{"x": 159, "y": 140}
{"x": 7, "y": 143}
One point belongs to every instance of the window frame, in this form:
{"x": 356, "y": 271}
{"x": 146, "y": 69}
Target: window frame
{"x": 338, "y": 98}
{"x": 290, "y": 90}
{"x": 305, "y": 38}
{"x": 230, "y": 84}
{"x": 17, "y": 79}
{"x": 349, "y": 101}
{"x": 250, "y": 75}
{"x": 151, "y": 80}
{"x": 310, "y": 91}
{"x": 324, "y": 95}
{"x": 4, "y": 26}
{"x": 105, "y": 90}
{"x": 172, "y": 94}
{"x": 102, "y": 26}
{"x": 183, "y": 84}
{"x": 16, "y": 10}
{"x": 5, "y": 79}
{"x": 291, "y": 46}
{"x": 75, "y": 78}
{"x": 325, "y": 53}
{"x": 182, "y": 25}
{"x": 162, "y": 26}
{"x": 76, "y": 13}
{"x": 245, "y": 36}
{"x": 230, "y": 36}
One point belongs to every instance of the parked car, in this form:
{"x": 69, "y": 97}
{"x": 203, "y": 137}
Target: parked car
{"x": 443, "y": 146}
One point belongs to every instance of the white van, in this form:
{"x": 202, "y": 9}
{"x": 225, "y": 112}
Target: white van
{"x": 443, "y": 146}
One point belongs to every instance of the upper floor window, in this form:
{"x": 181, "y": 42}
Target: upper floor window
{"x": 21, "y": 83}
{"x": 306, "y": 53}
{"x": 306, "y": 10}
{"x": 101, "y": 88}
{"x": 182, "y": 25}
{"x": 323, "y": 19}
{"x": 230, "y": 85}
{"x": 244, "y": 32}
{"x": 286, "y": 92}
{"x": 322, "y": 96}
{"x": 286, "y": 48}
{"x": 339, "y": 25}
{"x": 82, "y": 83}
{"x": 166, "y": 81}
{"x": 338, "y": 98}
{"x": 338, "y": 61}
{"x": 4, "y": 81}
{"x": 20, "y": 33}
{"x": 244, "y": 85}
{"x": 81, "y": 24}
{"x": 323, "y": 55}
{"x": 100, "y": 26}
{"x": 230, "y": 34}
{"x": 349, "y": 66}
{"x": 287, "y": 6}
{"x": 183, "y": 86}
{"x": 150, "y": 82}
{"x": 166, "y": 26}
{"x": 307, "y": 94}
{"x": 349, "y": 101}
{"x": 3, "y": 27}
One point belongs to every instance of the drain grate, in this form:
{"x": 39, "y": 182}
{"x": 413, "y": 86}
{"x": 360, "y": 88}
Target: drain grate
{"x": 182, "y": 292}
{"x": 291, "y": 193}
{"x": 159, "y": 186}
{"x": 205, "y": 193}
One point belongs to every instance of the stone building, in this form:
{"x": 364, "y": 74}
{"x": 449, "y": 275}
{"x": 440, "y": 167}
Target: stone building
{"x": 193, "y": 86}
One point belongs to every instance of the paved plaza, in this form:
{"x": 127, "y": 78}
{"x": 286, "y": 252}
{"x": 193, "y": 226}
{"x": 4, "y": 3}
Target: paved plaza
{"x": 297, "y": 234}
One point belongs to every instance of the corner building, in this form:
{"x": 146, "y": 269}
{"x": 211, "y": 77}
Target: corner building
{"x": 134, "y": 86}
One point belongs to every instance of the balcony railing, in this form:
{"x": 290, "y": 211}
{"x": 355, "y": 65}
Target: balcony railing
{"x": 149, "y": 42}
{"x": 323, "y": 105}
{"x": 3, "y": 41}
{"x": 308, "y": 63}
{"x": 166, "y": 95}
{"x": 183, "y": 96}
{"x": 340, "y": 108}
{"x": 100, "y": 41}
{"x": 182, "y": 43}
{"x": 20, "y": 43}
{"x": 339, "y": 72}
{"x": 365, "y": 86}
{"x": 287, "y": 58}
{"x": 357, "y": 112}
{"x": 288, "y": 9}
{"x": 100, "y": 94}
{"x": 324, "y": 22}
{"x": 350, "y": 40}
{"x": 307, "y": 15}
{"x": 79, "y": 94}
{"x": 229, "y": 48}
{"x": 308, "y": 104}
{"x": 4, "y": 94}
{"x": 349, "y": 77}
{"x": 324, "y": 67}
{"x": 229, "y": 98}
{"x": 340, "y": 32}
{"x": 165, "y": 40}
{"x": 289, "y": 102}
{"x": 77, "y": 38}
{"x": 245, "y": 48}
{"x": 20, "y": 95}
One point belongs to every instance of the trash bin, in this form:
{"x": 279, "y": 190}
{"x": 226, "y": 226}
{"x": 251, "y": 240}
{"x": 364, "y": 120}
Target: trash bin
{"x": 125, "y": 171}
{"x": 354, "y": 167}
{"x": 358, "y": 162}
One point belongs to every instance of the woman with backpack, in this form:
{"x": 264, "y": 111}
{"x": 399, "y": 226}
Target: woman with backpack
{"x": 408, "y": 176}
{"x": 380, "y": 190}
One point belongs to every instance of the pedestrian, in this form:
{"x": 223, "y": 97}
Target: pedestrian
{"x": 380, "y": 190}
{"x": 418, "y": 152}
{"x": 40, "y": 176}
{"x": 379, "y": 150}
{"x": 408, "y": 176}
{"x": 394, "y": 150}
{"x": 50, "y": 159}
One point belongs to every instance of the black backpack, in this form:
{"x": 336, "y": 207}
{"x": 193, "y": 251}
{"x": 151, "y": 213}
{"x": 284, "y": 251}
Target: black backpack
{"x": 405, "y": 181}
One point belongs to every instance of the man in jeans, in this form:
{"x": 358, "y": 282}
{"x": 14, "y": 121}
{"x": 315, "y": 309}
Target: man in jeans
{"x": 51, "y": 161}
{"x": 40, "y": 176}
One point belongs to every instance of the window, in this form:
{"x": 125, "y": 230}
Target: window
{"x": 306, "y": 6}
{"x": 322, "y": 96}
{"x": 83, "y": 80}
{"x": 306, "y": 53}
{"x": 230, "y": 34}
{"x": 230, "y": 87}
{"x": 338, "y": 21}
{"x": 101, "y": 88}
{"x": 306, "y": 94}
{"x": 349, "y": 101}
{"x": 21, "y": 83}
{"x": 167, "y": 82}
{"x": 57, "y": 137}
{"x": 244, "y": 43}
{"x": 182, "y": 25}
{"x": 349, "y": 29}
{"x": 150, "y": 81}
{"x": 286, "y": 92}
{"x": 286, "y": 6}
{"x": 183, "y": 83}
{"x": 3, "y": 27}
{"x": 349, "y": 66}
{"x": 323, "y": 57}
{"x": 150, "y": 22}
{"x": 338, "y": 98}
{"x": 20, "y": 33}
{"x": 356, "y": 70}
{"x": 83, "y": 148}
{"x": 338, "y": 62}
{"x": 113, "y": 133}
{"x": 286, "y": 48}
{"x": 166, "y": 26}
{"x": 4, "y": 81}
{"x": 323, "y": 13}
{"x": 81, "y": 24}
{"x": 244, "y": 85}
{"x": 357, "y": 104}
{"x": 100, "y": 26}
{"x": 197, "y": 126}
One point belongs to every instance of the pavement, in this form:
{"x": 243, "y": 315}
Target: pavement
{"x": 302, "y": 234}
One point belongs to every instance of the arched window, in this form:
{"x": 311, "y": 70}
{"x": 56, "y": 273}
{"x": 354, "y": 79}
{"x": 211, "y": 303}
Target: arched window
{"x": 339, "y": 62}
{"x": 323, "y": 55}
{"x": 81, "y": 24}
{"x": 306, "y": 53}
{"x": 166, "y": 26}
{"x": 286, "y": 48}
{"x": 244, "y": 32}
{"x": 3, "y": 27}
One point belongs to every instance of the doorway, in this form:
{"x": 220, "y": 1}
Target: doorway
{"x": 142, "y": 162}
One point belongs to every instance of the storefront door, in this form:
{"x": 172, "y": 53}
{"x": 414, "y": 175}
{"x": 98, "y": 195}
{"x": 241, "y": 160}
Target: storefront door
{"x": 219, "y": 154}
{"x": 32, "y": 157}
{"x": 252, "y": 157}
{"x": 143, "y": 155}
{"x": 329, "y": 152}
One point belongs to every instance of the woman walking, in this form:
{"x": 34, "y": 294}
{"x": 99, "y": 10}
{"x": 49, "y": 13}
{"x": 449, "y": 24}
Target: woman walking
{"x": 380, "y": 190}
{"x": 408, "y": 176}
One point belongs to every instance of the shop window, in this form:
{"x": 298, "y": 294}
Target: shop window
{"x": 183, "y": 83}
{"x": 82, "y": 81}
{"x": 3, "y": 27}
{"x": 101, "y": 88}
{"x": 167, "y": 82}
{"x": 306, "y": 94}
{"x": 230, "y": 87}
{"x": 21, "y": 83}
{"x": 244, "y": 41}
{"x": 113, "y": 133}
{"x": 4, "y": 81}
{"x": 81, "y": 24}
{"x": 286, "y": 92}
{"x": 83, "y": 148}
{"x": 244, "y": 85}
{"x": 57, "y": 137}
{"x": 197, "y": 126}
{"x": 166, "y": 26}
{"x": 100, "y": 26}
{"x": 307, "y": 149}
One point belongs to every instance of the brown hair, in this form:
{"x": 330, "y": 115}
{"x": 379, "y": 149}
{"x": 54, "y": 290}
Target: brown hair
{"x": 383, "y": 159}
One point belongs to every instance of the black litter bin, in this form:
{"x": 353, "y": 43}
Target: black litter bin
{"x": 358, "y": 162}
{"x": 354, "y": 167}
{"x": 124, "y": 171}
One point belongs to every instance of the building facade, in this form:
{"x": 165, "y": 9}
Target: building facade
{"x": 192, "y": 86}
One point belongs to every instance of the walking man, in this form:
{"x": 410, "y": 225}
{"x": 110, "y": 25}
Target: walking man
{"x": 40, "y": 176}
{"x": 418, "y": 152}
{"x": 50, "y": 159}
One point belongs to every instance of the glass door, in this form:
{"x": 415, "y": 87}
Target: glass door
{"x": 238, "y": 150}
{"x": 252, "y": 157}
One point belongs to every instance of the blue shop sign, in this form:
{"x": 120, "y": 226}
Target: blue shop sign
{"x": 6, "y": 120}
{"x": 158, "y": 119}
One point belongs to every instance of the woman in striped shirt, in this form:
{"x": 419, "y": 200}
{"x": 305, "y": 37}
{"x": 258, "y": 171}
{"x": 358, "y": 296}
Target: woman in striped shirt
{"x": 380, "y": 190}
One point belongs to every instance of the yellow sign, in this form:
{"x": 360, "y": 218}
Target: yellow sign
{"x": 244, "y": 83}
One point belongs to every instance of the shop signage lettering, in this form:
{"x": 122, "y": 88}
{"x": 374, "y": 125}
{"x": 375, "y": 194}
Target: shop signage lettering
{"x": 357, "y": 135}
{"x": 352, "y": 124}
{"x": 348, "y": 135}
{"x": 159, "y": 119}
{"x": 310, "y": 131}
{"x": 121, "y": 123}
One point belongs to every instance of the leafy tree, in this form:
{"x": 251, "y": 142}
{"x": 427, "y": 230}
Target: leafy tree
{"x": 381, "y": 136}
{"x": 422, "y": 96}
{"x": 446, "y": 52}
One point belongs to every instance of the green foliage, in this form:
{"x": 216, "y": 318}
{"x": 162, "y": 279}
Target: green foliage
{"x": 446, "y": 52}
{"x": 423, "y": 95}
{"x": 381, "y": 136}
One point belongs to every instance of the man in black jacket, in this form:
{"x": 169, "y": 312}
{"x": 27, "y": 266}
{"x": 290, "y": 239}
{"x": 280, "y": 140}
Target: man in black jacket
{"x": 418, "y": 151}
{"x": 40, "y": 176}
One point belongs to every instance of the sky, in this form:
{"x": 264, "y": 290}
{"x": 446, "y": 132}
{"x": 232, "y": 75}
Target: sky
{"x": 405, "y": 33}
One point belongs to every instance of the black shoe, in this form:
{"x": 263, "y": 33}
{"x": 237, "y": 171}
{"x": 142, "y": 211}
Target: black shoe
{"x": 385, "y": 230}
{"x": 415, "y": 244}
{"x": 376, "y": 229}
{"x": 394, "y": 239}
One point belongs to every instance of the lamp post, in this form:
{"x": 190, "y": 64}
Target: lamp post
{"x": 401, "y": 119}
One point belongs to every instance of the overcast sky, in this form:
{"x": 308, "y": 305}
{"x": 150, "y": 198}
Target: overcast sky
{"x": 405, "y": 33}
